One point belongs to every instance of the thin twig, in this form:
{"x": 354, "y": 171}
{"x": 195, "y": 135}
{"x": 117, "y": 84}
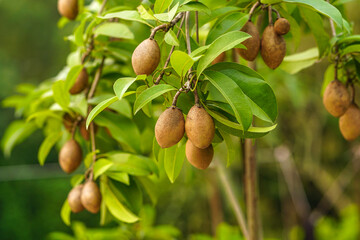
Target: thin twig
{"x": 270, "y": 15}
{"x": 232, "y": 199}
{"x": 96, "y": 79}
{"x": 75, "y": 124}
{"x": 277, "y": 13}
{"x": 252, "y": 10}
{"x": 332, "y": 26}
{"x": 166, "y": 26}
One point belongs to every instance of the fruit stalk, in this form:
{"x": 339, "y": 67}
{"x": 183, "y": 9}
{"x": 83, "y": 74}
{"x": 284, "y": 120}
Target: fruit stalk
{"x": 270, "y": 15}
{"x": 277, "y": 12}
{"x": 253, "y": 8}
{"x": 166, "y": 27}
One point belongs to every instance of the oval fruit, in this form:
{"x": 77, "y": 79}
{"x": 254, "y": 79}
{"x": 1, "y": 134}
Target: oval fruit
{"x": 146, "y": 57}
{"x": 91, "y": 197}
{"x": 349, "y": 123}
{"x": 252, "y": 44}
{"x": 336, "y": 98}
{"x": 273, "y": 47}
{"x": 81, "y": 82}
{"x": 170, "y": 127}
{"x": 68, "y": 8}
{"x": 219, "y": 58}
{"x": 199, "y": 127}
{"x": 74, "y": 199}
{"x": 282, "y": 26}
{"x": 70, "y": 156}
{"x": 199, "y": 158}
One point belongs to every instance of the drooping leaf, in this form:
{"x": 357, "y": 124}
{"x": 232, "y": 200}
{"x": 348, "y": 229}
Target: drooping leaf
{"x": 171, "y": 39}
{"x": 65, "y": 213}
{"x": 299, "y": 61}
{"x": 101, "y": 166}
{"x": 112, "y": 29}
{"x": 194, "y": 6}
{"x": 99, "y": 108}
{"x": 181, "y": 62}
{"x": 61, "y": 94}
{"x": 355, "y": 48}
{"x": 130, "y": 15}
{"x": 173, "y": 160}
{"x": 229, "y": 146}
{"x": 46, "y": 146}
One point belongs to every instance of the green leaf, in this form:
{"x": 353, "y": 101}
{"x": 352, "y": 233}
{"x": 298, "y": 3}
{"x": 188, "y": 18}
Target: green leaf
{"x": 150, "y": 188}
{"x": 299, "y": 61}
{"x": 130, "y": 15}
{"x": 173, "y": 160}
{"x": 233, "y": 95}
{"x": 46, "y": 146}
{"x": 72, "y": 76}
{"x": 349, "y": 39}
{"x": 145, "y": 14}
{"x": 118, "y": 30}
{"x": 351, "y": 49}
{"x": 171, "y": 39}
{"x": 77, "y": 179}
{"x": 194, "y": 6}
{"x": 99, "y": 108}
{"x": 270, "y": 1}
{"x": 322, "y": 7}
{"x": 15, "y": 133}
{"x": 119, "y": 176}
{"x": 61, "y": 94}
{"x": 161, "y": 5}
{"x": 122, "y": 85}
{"x": 79, "y": 33}
{"x": 328, "y": 77}
{"x": 65, "y": 213}
{"x": 229, "y": 146}
{"x": 149, "y": 94}
{"x": 181, "y": 62}
{"x": 101, "y": 166}
{"x": 167, "y": 17}
{"x": 221, "y": 44}
{"x": 116, "y": 208}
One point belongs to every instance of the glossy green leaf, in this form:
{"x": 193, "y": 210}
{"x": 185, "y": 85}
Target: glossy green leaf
{"x": 119, "y": 176}
{"x": 181, "y": 62}
{"x": 65, "y": 213}
{"x": 161, "y": 5}
{"x": 122, "y": 85}
{"x": 99, "y": 108}
{"x": 113, "y": 29}
{"x": 46, "y": 146}
{"x": 229, "y": 146}
{"x": 233, "y": 95}
{"x": 76, "y": 179}
{"x": 194, "y": 6}
{"x": 61, "y": 94}
{"x": 116, "y": 208}
{"x": 173, "y": 160}
{"x": 221, "y": 44}
{"x": 167, "y": 17}
{"x": 171, "y": 39}
{"x": 349, "y": 39}
{"x": 101, "y": 166}
{"x": 130, "y": 15}
{"x": 322, "y": 7}
{"x": 351, "y": 49}
{"x": 299, "y": 61}
{"x": 149, "y": 94}
{"x": 145, "y": 14}
{"x": 72, "y": 76}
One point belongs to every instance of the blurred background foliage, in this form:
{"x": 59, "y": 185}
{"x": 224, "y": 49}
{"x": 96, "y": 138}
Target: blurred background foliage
{"x": 307, "y": 143}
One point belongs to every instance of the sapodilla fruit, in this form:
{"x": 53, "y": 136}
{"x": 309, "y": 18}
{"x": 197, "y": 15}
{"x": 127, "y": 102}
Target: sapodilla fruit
{"x": 282, "y": 26}
{"x": 349, "y": 123}
{"x": 273, "y": 47}
{"x": 146, "y": 57}
{"x": 68, "y": 8}
{"x": 70, "y": 156}
{"x": 170, "y": 127}
{"x": 199, "y": 127}
{"x": 91, "y": 197}
{"x": 336, "y": 98}
{"x": 74, "y": 199}
{"x": 219, "y": 58}
{"x": 252, "y": 44}
{"x": 81, "y": 82}
{"x": 199, "y": 158}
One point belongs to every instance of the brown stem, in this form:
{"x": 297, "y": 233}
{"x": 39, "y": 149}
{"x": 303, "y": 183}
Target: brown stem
{"x": 166, "y": 26}
{"x": 332, "y": 26}
{"x": 161, "y": 75}
{"x": 102, "y": 7}
{"x": 176, "y": 97}
{"x": 197, "y": 25}
{"x": 352, "y": 86}
{"x": 277, "y": 13}
{"x": 187, "y": 32}
{"x": 270, "y": 15}
{"x": 252, "y": 10}
{"x": 96, "y": 79}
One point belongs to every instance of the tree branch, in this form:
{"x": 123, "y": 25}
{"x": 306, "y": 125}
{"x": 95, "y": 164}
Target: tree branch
{"x": 166, "y": 26}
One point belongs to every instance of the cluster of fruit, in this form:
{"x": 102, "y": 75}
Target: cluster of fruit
{"x": 339, "y": 103}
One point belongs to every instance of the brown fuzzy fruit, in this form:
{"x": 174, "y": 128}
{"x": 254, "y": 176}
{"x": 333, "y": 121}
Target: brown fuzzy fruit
{"x": 199, "y": 127}
{"x": 282, "y": 26}
{"x": 146, "y": 57}
{"x": 252, "y": 44}
{"x": 336, "y": 98}
{"x": 170, "y": 127}
{"x": 199, "y": 158}
{"x": 70, "y": 156}
{"x": 349, "y": 123}
{"x": 273, "y": 47}
{"x": 68, "y": 8}
{"x": 219, "y": 58}
{"x": 81, "y": 82}
{"x": 74, "y": 199}
{"x": 91, "y": 197}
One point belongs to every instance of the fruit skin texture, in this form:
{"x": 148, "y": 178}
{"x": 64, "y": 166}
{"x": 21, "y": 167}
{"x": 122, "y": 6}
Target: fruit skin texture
{"x": 199, "y": 158}
{"x": 68, "y": 8}
{"x": 70, "y": 156}
{"x": 252, "y": 44}
{"x": 146, "y": 57}
{"x": 74, "y": 199}
{"x": 282, "y": 26}
{"x": 170, "y": 127}
{"x": 199, "y": 127}
{"x": 91, "y": 197}
{"x": 81, "y": 82}
{"x": 336, "y": 98}
{"x": 273, "y": 47}
{"x": 219, "y": 58}
{"x": 349, "y": 123}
